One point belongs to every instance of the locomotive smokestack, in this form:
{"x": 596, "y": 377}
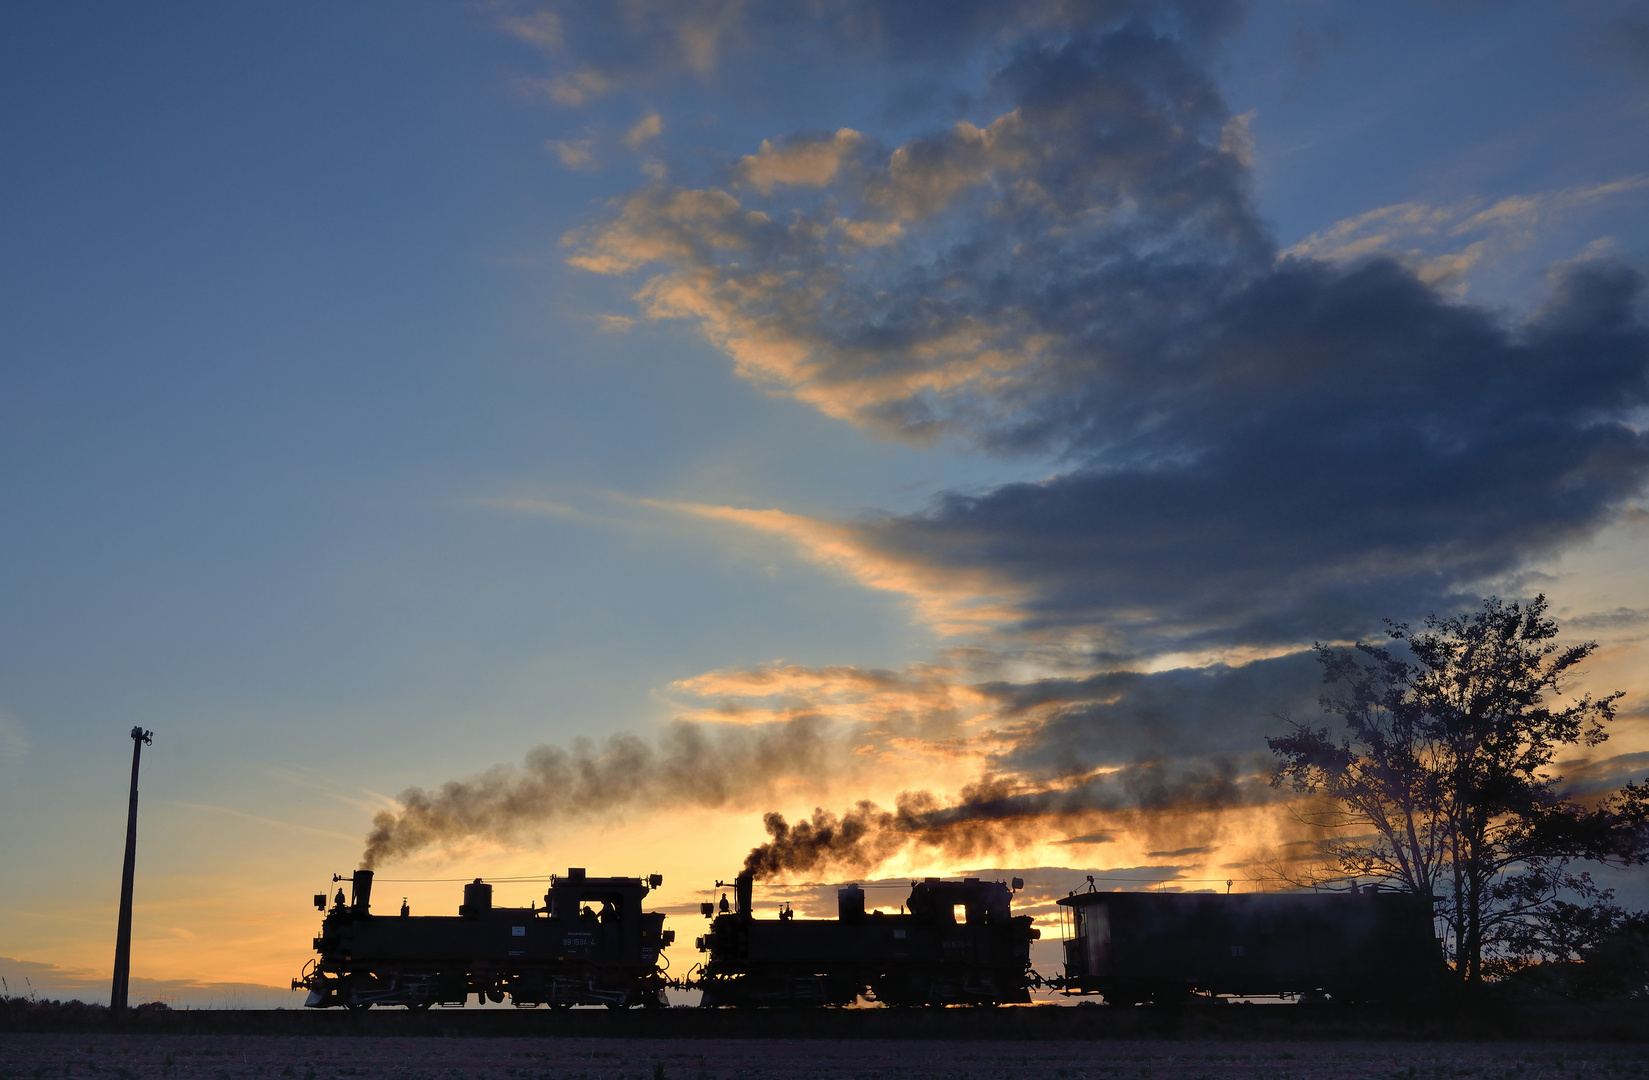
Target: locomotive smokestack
{"x": 361, "y": 892}
{"x": 123, "y": 932}
{"x": 743, "y": 892}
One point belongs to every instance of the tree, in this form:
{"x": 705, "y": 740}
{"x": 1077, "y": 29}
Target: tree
{"x": 1440, "y": 781}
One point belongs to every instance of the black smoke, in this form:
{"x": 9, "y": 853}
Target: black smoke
{"x": 691, "y": 765}
{"x": 994, "y": 816}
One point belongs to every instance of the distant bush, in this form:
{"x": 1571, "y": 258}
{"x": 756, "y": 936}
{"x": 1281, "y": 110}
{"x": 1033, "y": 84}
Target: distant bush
{"x": 44, "y": 1014}
{"x": 1616, "y": 967}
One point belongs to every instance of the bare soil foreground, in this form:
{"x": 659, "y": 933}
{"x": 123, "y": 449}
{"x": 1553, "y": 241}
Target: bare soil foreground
{"x": 1518, "y": 1021}
{"x": 268, "y": 1057}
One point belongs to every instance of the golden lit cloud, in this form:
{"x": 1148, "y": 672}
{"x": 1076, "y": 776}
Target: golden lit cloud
{"x": 889, "y": 700}
{"x": 775, "y": 316}
{"x": 575, "y": 153}
{"x": 648, "y": 127}
{"x": 1511, "y": 223}
{"x": 948, "y": 601}
{"x": 805, "y": 163}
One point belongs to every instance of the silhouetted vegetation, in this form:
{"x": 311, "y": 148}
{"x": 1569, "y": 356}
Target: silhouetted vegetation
{"x": 1439, "y": 783}
{"x": 31, "y": 1013}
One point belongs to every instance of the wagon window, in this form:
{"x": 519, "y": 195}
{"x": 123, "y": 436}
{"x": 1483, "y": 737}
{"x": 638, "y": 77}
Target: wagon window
{"x": 959, "y": 913}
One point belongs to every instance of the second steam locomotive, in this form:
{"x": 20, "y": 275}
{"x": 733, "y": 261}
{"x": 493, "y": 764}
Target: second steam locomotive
{"x": 952, "y": 943}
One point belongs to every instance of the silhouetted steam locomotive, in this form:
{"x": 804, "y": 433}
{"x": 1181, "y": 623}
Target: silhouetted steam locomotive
{"x": 589, "y": 944}
{"x": 951, "y": 943}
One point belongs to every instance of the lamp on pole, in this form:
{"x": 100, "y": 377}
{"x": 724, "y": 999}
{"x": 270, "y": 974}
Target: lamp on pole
{"x": 123, "y": 936}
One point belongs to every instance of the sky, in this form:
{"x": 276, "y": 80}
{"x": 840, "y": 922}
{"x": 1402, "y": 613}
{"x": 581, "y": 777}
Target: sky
{"x": 486, "y": 438}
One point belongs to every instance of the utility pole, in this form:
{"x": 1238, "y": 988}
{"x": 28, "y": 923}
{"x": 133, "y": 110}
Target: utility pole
{"x": 123, "y": 936}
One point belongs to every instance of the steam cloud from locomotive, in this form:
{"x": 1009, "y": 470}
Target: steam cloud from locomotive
{"x": 690, "y": 766}
{"x": 990, "y": 817}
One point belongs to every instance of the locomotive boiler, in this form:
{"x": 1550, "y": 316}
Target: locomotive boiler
{"x": 953, "y": 942}
{"x": 1361, "y": 945}
{"x": 591, "y": 943}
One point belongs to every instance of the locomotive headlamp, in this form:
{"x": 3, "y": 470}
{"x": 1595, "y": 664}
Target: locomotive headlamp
{"x": 320, "y": 901}
{"x": 707, "y": 909}
{"x": 1018, "y": 883}
{"x": 655, "y": 880}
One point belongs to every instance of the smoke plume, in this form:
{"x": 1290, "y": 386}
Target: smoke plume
{"x": 994, "y": 816}
{"x": 691, "y": 765}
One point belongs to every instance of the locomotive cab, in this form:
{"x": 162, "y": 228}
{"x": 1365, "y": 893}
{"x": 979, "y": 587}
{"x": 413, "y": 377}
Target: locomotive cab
{"x": 969, "y": 902}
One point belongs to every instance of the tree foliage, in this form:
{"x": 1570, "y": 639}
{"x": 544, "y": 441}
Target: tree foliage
{"x": 1440, "y": 781}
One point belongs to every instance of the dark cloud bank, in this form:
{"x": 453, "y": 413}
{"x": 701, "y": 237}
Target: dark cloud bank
{"x": 1253, "y": 451}
{"x": 771, "y": 46}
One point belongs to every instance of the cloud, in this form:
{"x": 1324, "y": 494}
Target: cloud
{"x": 961, "y": 283}
{"x": 1076, "y": 727}
{"x": 1106, "y": 759}
{"x": 1233, "y": 450}
{"x": 574, "y": 153}
{"x": 52, "y": 981}
{"x": 1599, "y": 776}
{"x": 570, "y": 88}
{"x": 272, "y": 823}
{"x": 949, "y": 600}
{"x": 1622, "y": 618}
{"x": 1010, "y": 256}
{"x": 892, "y": 701}
{"x": 806, "y": 161}
{"x": 542, "y": 508}
{"x": 649, "y": 127}
{"x": 1154, "y": 757}
{"x": 1255, "y": 450}
{"x": 541, "y": 29}
{"x": 1362, "y": 447}
{"x": 1413, "y": 232}
{"x": 762, "y": 43}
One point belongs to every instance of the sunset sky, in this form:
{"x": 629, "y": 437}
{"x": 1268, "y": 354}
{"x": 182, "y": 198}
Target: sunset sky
{"x": 652, "y": 415}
